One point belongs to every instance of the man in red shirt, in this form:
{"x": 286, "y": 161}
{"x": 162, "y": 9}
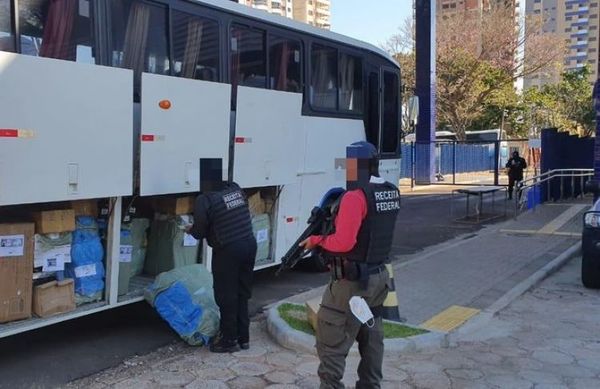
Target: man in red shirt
{"x": 357, "y": 251}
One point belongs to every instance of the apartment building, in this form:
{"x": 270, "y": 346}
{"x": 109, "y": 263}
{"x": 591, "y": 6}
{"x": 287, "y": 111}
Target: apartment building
{"x": 278, "y": 7}
{"x": 578, "y": 23}
{"x": 313, "y": 12}
{"x": 449, "y": 6}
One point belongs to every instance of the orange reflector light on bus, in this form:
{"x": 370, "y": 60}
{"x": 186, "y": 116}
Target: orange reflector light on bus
{"x": 164, "y": 104}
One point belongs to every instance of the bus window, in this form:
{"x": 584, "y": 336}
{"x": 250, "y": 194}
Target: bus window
{"x": 248, "y": 57}
{"x": 56, "y": 29}
{"x": 351, "y": 94}
{"x": 323, "y": 86}
{"x": 7, "y": 36}
{"x": 391, "y": 119}
{"x": 195, "y": 47}
{"x": 139, "y": 31}
{"x": 285, "y": 64}
{"x": 372, "y": 119}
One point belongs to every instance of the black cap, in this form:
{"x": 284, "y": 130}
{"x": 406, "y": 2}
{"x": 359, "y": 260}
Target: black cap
{"x": 362, "y": 150}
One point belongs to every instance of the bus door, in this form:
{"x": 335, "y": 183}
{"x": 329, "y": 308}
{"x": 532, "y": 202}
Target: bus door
{"x": 389, "y": 145}
{"x": 373, "y": 107}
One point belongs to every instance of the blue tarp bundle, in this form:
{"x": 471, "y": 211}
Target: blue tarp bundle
{"x": 184, "y": 298}
{"x": 86, "y": 265}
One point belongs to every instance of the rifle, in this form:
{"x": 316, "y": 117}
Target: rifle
{"x": 320, "y": 222}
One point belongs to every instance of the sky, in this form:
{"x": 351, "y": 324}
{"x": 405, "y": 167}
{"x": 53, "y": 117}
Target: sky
{"x": 372, "y": 21}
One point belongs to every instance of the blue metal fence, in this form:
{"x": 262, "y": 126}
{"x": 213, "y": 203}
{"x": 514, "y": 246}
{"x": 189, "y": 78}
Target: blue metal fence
{"x": 452, "y": 158}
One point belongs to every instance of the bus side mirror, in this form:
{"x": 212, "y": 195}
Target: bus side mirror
{"x": 413, "y": 110}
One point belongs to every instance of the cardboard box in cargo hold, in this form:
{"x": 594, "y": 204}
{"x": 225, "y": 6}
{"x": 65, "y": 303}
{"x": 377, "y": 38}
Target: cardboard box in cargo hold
{"x": 16, "y": 271}
{"x": 256, "y": 204}
{"x": 48, "y": 222}
{"x": 85, "y": 207}
{"x": 175, "y": 205}
{"x": 54, "y": 297}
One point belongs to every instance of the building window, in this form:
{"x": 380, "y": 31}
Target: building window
{"x": 323, "y": 89}
{"x": 351, "y": 92}
{"x": 195, "y": 47}
{"x": 56, "y": 29}
{"x": 7, "y": 35}
{"x": 248, "y": 57}
{"x": 285, "y": 64}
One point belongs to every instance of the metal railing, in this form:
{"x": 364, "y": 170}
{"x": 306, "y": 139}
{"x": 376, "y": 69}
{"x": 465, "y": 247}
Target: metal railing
{"x": 576, "y": 177}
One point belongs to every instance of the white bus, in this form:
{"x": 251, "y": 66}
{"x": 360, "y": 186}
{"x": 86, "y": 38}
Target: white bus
{"x": 117, "y": 100}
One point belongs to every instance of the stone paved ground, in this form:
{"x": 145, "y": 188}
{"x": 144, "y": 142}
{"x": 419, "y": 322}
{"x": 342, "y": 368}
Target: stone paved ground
{"x": 548, "y": 338}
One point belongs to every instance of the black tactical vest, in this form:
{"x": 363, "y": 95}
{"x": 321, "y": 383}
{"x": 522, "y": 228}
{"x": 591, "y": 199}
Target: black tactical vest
{"x": 374, "y": 240}
{"x": 229, "y": 217}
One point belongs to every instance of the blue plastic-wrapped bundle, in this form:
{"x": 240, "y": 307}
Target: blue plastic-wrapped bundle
{"x": 184, "y": 298}
{"x": 86, "y": 265}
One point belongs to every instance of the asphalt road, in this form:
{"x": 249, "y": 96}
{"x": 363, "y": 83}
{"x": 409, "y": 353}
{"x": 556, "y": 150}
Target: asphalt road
{"x": 55, "y": 355}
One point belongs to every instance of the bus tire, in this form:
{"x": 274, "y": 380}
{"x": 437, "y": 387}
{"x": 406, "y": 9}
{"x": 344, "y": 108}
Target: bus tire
{"x": 590, "y": 271}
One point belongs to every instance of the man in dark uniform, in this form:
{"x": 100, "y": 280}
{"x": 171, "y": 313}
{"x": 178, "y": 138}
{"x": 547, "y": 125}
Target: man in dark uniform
{"x": 358, "y": 249}
{"x": 222, "y": 216}
{"x": 515, "y": 167}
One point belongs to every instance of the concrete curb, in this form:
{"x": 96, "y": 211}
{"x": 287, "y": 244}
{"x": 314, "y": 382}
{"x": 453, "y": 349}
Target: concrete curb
{"x": 482, "y": 319}
{"x": 295, "y": 340}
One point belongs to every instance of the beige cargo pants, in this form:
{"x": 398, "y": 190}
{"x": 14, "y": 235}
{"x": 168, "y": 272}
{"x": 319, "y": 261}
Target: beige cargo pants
{"x": 337, "y": 329}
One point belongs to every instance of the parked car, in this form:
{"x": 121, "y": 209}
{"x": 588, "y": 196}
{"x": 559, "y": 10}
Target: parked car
{"x": 590, "y": 248}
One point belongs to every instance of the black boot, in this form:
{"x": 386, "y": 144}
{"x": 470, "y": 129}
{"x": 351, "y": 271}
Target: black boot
{"x": 244, "y": 344}
{"x": 222, "y": 345}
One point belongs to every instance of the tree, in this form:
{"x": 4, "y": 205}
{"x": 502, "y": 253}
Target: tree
{"x": 479, "y": 59}
{"x": 566, "y": 105}
{"x": 402, "y": 47}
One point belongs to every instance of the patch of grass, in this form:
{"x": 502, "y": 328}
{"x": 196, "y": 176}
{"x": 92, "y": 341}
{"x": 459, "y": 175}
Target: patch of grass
{"x": 394, "y": 330}
{"x": 295, "y": 316}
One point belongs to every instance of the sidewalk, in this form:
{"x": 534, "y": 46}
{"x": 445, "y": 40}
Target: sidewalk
{"x": 477, "y": 269}
{"x": 538, "y": 339}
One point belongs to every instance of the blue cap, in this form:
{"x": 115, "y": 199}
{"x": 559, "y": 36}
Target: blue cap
{"x": 361, "y": 150}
